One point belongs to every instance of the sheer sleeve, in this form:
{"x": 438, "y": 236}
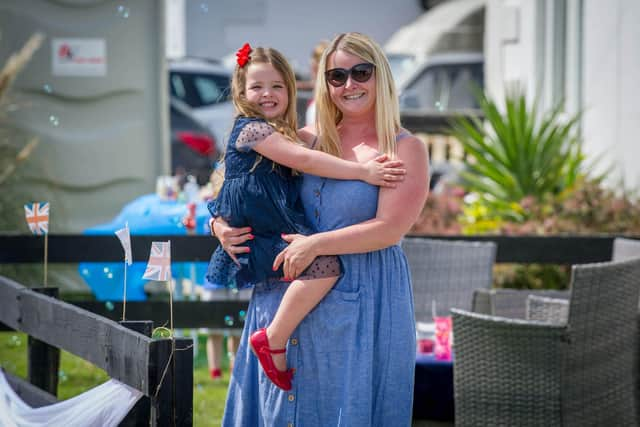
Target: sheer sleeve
{"x": 253, "y": 133}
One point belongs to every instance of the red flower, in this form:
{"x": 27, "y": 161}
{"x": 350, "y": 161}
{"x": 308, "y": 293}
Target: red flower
{"x": 243, "y": 55}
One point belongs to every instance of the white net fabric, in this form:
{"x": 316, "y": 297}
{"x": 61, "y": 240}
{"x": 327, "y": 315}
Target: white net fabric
{"x": 103, "y": 406}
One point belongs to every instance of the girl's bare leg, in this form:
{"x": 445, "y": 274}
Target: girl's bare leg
{"x": 299, "y": 299}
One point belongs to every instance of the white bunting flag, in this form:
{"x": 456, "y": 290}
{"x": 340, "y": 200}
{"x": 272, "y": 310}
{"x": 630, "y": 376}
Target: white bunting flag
{"x": 125, "y": 240}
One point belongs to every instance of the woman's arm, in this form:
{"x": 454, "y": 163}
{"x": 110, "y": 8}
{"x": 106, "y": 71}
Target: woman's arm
{"x": 397, "y": 211}
{"x": 379, "y": 171}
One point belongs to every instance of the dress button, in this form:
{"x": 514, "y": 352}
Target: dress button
{"x": 290, "y": 425}
{"x": 294, "y": 341}
{"x": 291, "y": 398}
{"x": 317, "y": 193}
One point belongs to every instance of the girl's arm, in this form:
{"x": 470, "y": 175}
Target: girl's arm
{"x": 379, "y": 171}
{"x": 397, "y": 211}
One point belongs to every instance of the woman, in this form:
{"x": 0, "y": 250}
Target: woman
{"x": 354, "y": 354}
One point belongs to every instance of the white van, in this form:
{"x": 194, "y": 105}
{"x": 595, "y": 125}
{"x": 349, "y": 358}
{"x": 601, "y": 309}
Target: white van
{"x": 444, "y": 82}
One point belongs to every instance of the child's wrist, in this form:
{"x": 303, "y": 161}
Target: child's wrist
{"x": 364, "y": 171}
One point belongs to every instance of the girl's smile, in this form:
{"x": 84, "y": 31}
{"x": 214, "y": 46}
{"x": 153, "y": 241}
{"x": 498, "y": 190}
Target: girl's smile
{"x": 265, "y": 88}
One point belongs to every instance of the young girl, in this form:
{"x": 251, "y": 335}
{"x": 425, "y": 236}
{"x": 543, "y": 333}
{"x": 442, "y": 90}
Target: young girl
{"x": 261, "y": 191}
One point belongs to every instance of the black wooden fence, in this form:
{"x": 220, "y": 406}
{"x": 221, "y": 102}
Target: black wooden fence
{"x": 162, "y": 369}
{"x": 191, "y": 314}
{"x": 82, "y": 248}
{"x": 88, "y": 328}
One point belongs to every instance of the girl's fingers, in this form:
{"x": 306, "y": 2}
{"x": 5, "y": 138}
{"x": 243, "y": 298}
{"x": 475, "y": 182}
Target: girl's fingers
{"x": 396, "y": 178}
{"x": 396, "y": 171}
{"x": 394, "y": 164}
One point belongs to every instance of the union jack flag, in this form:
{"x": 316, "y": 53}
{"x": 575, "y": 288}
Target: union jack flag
{"x": 37, "y": 215}
{"x": 159, "y": 266}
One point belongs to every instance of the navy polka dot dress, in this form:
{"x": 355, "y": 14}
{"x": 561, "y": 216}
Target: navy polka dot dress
{"x": 260, "y": 194}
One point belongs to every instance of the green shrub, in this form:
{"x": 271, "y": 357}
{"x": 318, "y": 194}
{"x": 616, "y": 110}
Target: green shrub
{"x": 519, "y": 153}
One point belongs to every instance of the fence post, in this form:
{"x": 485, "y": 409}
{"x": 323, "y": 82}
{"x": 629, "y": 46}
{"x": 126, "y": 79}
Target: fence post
{"x": 183, "y": 393}
{"x": 140, "y": 414}
{"x": 43, "y": 359}
{"x": 173, "y": 406}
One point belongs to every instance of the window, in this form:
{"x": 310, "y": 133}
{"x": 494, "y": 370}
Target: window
{"x": 199, "y": 89}
{"x": 445, "y": 87}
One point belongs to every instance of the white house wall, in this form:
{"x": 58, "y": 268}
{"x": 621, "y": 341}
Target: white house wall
{"x": 596, "y": 71}
{"x": 611, "y": 122}
{"x": 511, "y": 37}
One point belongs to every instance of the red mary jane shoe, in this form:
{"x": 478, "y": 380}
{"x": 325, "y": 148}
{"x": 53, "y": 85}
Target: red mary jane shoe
{"x": 260, "y": 347}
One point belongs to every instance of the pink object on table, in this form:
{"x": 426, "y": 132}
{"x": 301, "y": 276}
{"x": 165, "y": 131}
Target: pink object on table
{"x": 442, "y": 345}
{"x": 425, "y": 346}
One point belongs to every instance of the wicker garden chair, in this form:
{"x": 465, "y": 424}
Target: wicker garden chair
{"x": 447, "y": 272}
{"x": 513, "y": 372}
{"x": 625, "y": 249}
{"x": 511, "y": 303}
{"x": 549, "y": 310}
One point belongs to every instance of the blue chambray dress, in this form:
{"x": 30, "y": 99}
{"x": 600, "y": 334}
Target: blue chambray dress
{"x": 354, "y": 354}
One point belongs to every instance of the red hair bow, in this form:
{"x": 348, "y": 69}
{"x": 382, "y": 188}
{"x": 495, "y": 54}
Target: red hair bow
{"x": 243, "y": 55}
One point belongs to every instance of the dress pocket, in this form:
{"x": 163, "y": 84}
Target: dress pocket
{"x": 337, "y": 323}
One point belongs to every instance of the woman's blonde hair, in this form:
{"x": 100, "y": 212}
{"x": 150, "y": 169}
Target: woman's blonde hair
{"x": 288, "y": 124}
{"x": 328, "y": 116}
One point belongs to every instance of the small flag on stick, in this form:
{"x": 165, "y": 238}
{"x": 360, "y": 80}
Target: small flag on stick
{"x": 159, "y": 268}
{"x": 159, "y": 265}
{"x": 125, "y": 239}
{"x": 37, "y": 216}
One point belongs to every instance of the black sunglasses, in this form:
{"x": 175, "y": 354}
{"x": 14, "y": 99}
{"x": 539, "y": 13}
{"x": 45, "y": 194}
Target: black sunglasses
{"x": 359, "y": 72}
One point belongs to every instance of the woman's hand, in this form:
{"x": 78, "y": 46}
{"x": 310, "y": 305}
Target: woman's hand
{"x": 296, "y": 257}
{"x": 384, "y": 172}
{"x": 230, "y": 237}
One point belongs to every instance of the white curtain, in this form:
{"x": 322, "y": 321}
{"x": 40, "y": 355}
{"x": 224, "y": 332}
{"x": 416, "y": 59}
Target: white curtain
{"x": 103, "y": 406}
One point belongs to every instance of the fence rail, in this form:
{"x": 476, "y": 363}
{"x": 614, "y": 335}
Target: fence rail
{"x": 124, "y": 354}
{"x": 88, "y": 328}
{"x": 67, "y": 248}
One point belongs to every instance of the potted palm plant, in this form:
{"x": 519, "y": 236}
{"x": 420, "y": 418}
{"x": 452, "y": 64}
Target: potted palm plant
{"x": 516, "y": 155}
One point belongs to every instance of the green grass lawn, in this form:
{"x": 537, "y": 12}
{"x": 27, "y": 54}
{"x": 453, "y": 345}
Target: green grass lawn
{"x": 77, "y": 375}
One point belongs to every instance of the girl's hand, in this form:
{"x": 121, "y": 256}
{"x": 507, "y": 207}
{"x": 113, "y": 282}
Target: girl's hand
{"x": 296, "y": 257}
{"x": 384, "y": 172}
{"x": 230, "y": 237}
